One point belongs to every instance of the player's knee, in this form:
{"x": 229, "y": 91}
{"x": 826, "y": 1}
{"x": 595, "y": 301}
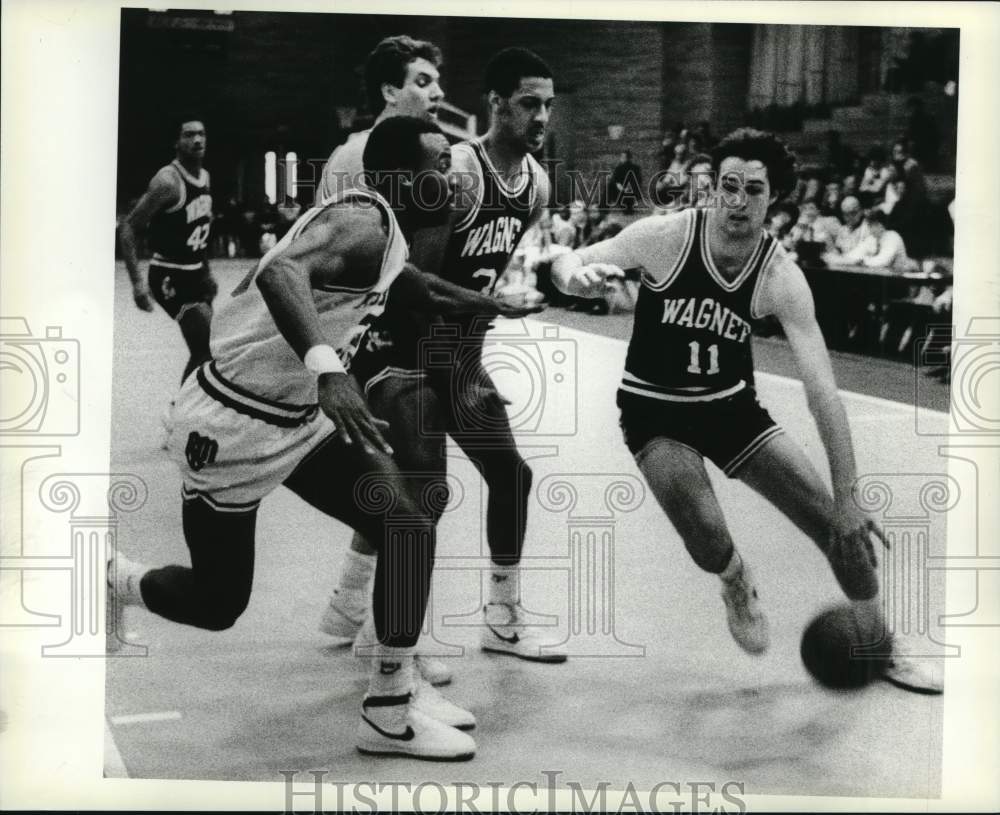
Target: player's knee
{"x": 221, "y": 618}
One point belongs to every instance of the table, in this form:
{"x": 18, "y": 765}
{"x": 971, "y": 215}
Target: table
{"x": 860, "y": 297}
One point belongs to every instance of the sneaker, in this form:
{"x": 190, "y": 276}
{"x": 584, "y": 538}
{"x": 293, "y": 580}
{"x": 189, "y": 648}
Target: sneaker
{"x": 913, "y": 673}
{"x": 123, "y": 577}
{"x": 393, "y": 726}
{"x": 433, "y": 670}
{"x": 505, "y": 633}
{"x": 853, "y": 563}
{"x": 429, "y": 701}
{"x": 746, "y": 619}
{"x": 341, "y": 618}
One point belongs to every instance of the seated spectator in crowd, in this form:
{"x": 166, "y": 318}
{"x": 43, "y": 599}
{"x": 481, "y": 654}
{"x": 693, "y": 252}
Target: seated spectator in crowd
{"x": 832, "y": 194}
{"x": 852, "y": 232}
{"x": 781, "y": 220}
{"x": 877, "y": 173}
{"x": 690, "y": 187}
{"x": 703, "y": 133}
{"x": 883, "y": 248}
{"x": 813, "y": 228}
{"x": 573, "y": 231}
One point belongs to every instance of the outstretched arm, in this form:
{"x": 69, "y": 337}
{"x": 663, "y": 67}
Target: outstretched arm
{"x": 161, "y": 194}
{"x": 786, "y": 295}
{"x": 432, "y": 294}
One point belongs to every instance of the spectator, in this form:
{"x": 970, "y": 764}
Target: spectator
{"x": 706, "y": 139}
{"x": 626, "y": 183}
{"x": 783, "y": 218}
{"x": 812, "y": 228}
{"x": 877, "y": 173}
{"x": 830, "y": 205}
{"x": 883, "y": 248}
{"x": 852, "y": 232}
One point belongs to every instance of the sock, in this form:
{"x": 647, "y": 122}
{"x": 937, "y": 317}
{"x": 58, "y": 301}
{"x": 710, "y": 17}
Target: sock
{"x": 734, "y": 569}
{"x": 356, "y": 578}
{"x": 392, "y": 672}
{"x": 505, "y": 584}
{"x": 125, "y": 577}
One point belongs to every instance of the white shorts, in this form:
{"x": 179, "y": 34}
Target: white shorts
{"x": 233, "y": 447}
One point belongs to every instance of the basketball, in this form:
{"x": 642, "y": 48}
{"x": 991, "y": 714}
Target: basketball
{"x": 845, "y": 648}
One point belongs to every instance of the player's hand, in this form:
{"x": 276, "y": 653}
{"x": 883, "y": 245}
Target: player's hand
{"x": 142, "y": 297}
{"x": 520, "y": 303}
{"x": 592, "y": 280}
{"x": 341, "y": 400}
{"x": 851, "y": 552}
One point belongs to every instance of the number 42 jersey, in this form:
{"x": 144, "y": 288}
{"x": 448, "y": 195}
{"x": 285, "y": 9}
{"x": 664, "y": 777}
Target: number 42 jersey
{"x": 179, "y": 235}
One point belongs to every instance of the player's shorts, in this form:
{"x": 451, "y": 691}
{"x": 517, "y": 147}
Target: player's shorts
{"x": 233, "y": 448}
{"x": 176, "y": 288}
{"x": 380, "y": 357}
{"x": 728, "y": 431}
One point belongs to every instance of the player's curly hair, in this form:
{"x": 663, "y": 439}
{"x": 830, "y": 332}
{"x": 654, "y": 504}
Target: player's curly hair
{"x": 758, "y": 145}
{"x": 508, "y": 67}
{"x": 387, "y": 63}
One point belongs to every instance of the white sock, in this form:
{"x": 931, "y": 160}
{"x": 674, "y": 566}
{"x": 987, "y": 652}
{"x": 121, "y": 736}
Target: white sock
{"x": 356, "y": 576}
{"x": 124, "y": 577}
{"x": 392, "y": 672}
{"x": 734, "y": 568}
{"x": 505, "y": 584}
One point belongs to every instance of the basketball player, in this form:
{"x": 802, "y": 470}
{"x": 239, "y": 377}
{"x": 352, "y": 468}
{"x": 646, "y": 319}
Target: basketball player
{"x": 276, "y": 406}
{"x": 687, "y": 392}
{"x": 177, "y": 210}
{"x": 502, "y": 191}
{"x": 401, "y": 79}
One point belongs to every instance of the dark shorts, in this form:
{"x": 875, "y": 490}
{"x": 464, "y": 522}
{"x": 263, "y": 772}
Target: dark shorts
{"x": 380, "y": 357}
{"x": 728, "y": 431}
{"x": 175, "y": 289}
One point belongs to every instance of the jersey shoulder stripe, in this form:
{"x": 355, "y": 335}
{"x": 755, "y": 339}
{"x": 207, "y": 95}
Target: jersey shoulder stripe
{"x": 693, "y": 218}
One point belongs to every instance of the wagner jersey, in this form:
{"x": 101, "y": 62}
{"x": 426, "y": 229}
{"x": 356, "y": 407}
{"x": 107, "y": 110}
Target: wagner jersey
{"x": 481, "y": 245}
{"x": 252, "y": 356}
{"x": 178, "y": 236}
{"x": 691, "y": 336}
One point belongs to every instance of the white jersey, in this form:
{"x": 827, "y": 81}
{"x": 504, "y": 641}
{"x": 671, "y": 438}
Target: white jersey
{"x": 345, "y": 167}
{"x": 253, "y": 362}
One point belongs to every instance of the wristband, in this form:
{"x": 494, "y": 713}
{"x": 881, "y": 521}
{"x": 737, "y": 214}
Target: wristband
{"x": 322, "y": 359}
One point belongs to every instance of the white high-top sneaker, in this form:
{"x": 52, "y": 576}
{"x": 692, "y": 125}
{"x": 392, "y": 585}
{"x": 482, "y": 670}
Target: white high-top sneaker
{"x": 427, "y": 699}
{"x": 506, "y": 633}
{"x": 746, "y": 619}
{"x": 393, "y": 726}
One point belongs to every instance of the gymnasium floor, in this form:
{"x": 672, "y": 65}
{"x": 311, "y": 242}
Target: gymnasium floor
{"x": 272, "y": 694}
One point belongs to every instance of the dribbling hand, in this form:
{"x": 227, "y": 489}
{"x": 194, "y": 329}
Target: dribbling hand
{"x": 592, "y": 280}
{"x": 340, "y": 399}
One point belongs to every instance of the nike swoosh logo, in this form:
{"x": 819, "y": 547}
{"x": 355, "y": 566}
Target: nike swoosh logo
{"x": 513, "y": 640}
{"x": 406, "y": 735}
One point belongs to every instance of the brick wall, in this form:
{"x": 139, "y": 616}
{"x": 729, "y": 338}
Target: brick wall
{"x": 273, "y": 83}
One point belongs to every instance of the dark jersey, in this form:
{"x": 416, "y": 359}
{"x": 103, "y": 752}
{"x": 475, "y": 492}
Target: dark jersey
{"x": 178, "y": 236}
{"x": 484, "y": 240}
{"x": 691, "y": 334}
